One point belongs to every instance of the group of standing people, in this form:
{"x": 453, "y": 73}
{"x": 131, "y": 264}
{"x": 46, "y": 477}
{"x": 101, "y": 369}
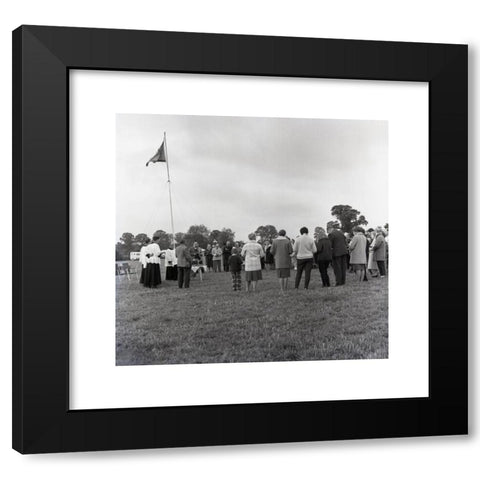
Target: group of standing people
{"x": 365, "y": 251}
{"x": 179, "y": 263}
{"x": 362, "y": 253}
{"x": 216, "y": 256}
{"x": 150, "y": 261}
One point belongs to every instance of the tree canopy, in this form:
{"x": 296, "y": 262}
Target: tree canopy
{"x": 203, "y": 236}
{"x": 141, "y": 238}
{"x": 222, "y": 236}
{"x": 266, "y": 233}
{"x": 197, "y": 233}
{"x": 164, "y": 239}
{"x": 348, "y": 217}
{"x": 128, "y": 243}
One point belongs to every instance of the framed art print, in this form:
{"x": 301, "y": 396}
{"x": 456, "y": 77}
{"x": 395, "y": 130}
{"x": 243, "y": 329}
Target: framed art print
{"x": 274, "y": 209}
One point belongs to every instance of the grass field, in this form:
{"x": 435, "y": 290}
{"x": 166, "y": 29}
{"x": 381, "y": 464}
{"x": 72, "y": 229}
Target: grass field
{"x": 209, "y": 323}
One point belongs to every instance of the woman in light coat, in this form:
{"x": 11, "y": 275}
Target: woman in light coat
{"x": 358, "y": 253}
{"x": 252, "y": 252}
{"x": 372, "y": 263}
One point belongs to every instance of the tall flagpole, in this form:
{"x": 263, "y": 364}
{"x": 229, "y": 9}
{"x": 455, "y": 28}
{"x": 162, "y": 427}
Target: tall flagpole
{"x": 169, "y": 187}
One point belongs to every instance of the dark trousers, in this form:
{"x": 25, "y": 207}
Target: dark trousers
{"x": 339, "y": 265}
{"x": 183, "y": 277}
{"x": 381, "y": 267}
{"x": 225, "y": 262}
{"x": 303, "y": 264}
{"x": 323, "y": 267}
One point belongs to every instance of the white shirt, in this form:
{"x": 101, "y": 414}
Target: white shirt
{"x": 170, "y": 257}
{"x": 154, "y": 250}
{"x": 304, "y": 247}
{"x": 143, "y": 258}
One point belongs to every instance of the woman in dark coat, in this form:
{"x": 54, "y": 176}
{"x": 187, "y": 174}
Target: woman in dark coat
{"x": 323, "y": 255}
{"x": 269, "y": 260}
{"x": 209, "y": 258}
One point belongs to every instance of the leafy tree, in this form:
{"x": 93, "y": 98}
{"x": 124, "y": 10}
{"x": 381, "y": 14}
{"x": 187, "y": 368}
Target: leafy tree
{"x": 386, "y": 227}
{"x": 127, "y": 239}
{"x": 348, "y": 217}
{"x": 199, "y": 230}
{"x": 266, "y": 233}
{"x": 214, "y": 236}
{"x": 164, "y": 239}
{"x": 222, "y": 236}
{"x": 140, "y": 239}
{"x": 199, "y": 234}
{"x": 125, "y": 246}
{"x": 226, "y": 235}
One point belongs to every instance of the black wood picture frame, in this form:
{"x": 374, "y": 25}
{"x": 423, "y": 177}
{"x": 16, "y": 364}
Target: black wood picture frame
{"x": 42, "y": 58}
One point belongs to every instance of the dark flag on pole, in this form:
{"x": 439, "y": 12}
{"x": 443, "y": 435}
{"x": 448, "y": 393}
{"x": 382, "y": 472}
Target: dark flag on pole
{"x": 159, "y": 156}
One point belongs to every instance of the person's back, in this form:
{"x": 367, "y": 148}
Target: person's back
{"x": 324, "y": 249}
{"x": 235, "y": 263}
{"x": 170, "y": 257}
{"x": 357, "y": 247}
{"x": 252, "y": 251}
{"x": 152, "y": 252}
{"x": 380, "y": 247}
{"x": 183, "y": 256}
{"x": 281, "y": 250}
{"x": 304, "y": 247}
{"x": 304, "y": 250}
{"x": 339, "y": 244}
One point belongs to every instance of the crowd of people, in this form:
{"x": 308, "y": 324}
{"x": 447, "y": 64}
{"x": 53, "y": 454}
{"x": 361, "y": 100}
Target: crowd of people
{"x": 363, "y": 253}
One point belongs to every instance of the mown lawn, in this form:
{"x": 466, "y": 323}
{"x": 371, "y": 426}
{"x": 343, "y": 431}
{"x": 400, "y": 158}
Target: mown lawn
{"x": 209, "y": 323}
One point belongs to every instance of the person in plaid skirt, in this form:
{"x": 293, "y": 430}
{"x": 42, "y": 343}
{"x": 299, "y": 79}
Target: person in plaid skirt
{"x": 235, "y": 267}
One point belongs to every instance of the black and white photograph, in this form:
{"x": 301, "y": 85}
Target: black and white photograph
{"x": 288, "y": 194}
{"x": 250, "y": 239}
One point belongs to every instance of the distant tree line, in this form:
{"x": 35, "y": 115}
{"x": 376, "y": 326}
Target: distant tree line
{"x": 129, "y": 242}
{"x": 346, "y": 219}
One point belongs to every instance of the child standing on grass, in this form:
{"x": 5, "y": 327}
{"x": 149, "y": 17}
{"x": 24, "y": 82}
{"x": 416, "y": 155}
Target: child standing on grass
{"x": 235, "y": 267}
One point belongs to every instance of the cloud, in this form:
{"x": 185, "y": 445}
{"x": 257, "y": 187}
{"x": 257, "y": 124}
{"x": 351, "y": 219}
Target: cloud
{"x": 241, "y": 172}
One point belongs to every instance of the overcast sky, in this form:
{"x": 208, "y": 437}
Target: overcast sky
{"x": 243, "y": 172}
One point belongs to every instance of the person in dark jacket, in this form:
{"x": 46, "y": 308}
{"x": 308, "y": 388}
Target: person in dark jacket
{"x": 184, "y": 263}
{"x": 209, "y": 258}
{"x": 379, "y": 251}
{"x": 235, "y": 268}
{"x": 281, "y": 251}
{"x": 339, "y": 255}
{"x": 227, "y": 251}
{"x": 323, "y": 257}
